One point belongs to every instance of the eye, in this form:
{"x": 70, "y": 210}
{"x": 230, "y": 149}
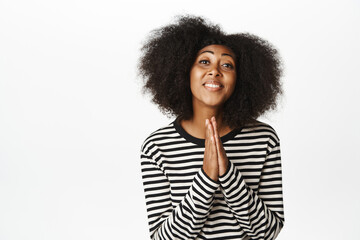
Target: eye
{"x": 228, "y": 65}
{"x": 204, "y": 61}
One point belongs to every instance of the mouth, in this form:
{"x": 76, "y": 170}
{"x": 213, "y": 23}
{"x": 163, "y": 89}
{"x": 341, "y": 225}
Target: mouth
{"x": 213, "y": 86}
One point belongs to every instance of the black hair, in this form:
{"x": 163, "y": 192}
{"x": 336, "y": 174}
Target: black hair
{"x": 170, "y": 51}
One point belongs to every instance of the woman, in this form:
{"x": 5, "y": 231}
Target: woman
{"x": 215, "y": 171}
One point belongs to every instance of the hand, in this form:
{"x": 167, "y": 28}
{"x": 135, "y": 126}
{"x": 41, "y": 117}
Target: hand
{"x": 222, "y": 158}
{"x": 210, "y": 164}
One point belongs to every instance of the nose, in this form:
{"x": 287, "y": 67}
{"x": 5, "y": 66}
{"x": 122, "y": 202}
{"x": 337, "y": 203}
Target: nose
{"x": 214, "y": 71}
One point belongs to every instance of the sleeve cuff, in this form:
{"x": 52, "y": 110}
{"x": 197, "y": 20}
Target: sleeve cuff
{"x": 227, "y": 170}
{"x": 223, "y": 178}
{"x": 209, "y": 180}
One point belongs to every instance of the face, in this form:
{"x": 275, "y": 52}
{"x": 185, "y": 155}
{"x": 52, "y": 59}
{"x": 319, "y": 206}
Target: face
{"x": 213, "y": 76}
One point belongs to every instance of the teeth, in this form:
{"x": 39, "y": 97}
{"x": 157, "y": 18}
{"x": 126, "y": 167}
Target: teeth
{"x": 212, "y": 85}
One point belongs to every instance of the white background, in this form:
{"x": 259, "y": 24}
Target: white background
{"x": 72, "y": 117}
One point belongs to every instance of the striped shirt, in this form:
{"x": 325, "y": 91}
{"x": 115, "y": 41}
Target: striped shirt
{"x": 183, "y": 202}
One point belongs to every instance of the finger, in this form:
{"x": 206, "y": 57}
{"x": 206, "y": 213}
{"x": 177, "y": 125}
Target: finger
{"x": 212, "y": 132}
{"x": 213, "y": 139}
{"x": 217, "y": 137}
{"x": 215, "y": 127}
{"x": 216, "y": 133}
{"x": 207, "y": 135}
{"x": 212, "y": 146}
{"x": 206, "y": 128}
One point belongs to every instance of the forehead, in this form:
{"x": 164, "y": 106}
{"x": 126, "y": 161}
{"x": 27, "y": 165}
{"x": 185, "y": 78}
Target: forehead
{"x": 217, "y": 49}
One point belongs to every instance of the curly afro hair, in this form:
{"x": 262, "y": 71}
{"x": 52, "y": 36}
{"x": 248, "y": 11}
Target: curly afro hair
{"x": 170, "y": 51}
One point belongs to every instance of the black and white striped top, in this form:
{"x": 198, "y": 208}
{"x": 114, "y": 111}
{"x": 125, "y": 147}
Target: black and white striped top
{"x": 184, "y": 203}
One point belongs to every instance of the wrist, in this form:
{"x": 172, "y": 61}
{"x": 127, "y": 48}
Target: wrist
{"x": 213, "y": 176}
{"x": 224, "y": 168}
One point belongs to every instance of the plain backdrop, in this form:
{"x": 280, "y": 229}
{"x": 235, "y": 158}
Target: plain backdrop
{"x": 72, "y": 116}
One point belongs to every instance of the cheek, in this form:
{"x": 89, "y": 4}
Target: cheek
{"x": 194, "y": 74}
{"x": 232, "y": 85}
{"x": 232, "y": 81}
{"x": 192, "y": 82}
{"x": 195, "y": 77}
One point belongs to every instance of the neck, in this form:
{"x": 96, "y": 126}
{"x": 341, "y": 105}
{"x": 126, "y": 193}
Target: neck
{"x": 196, "y": 125}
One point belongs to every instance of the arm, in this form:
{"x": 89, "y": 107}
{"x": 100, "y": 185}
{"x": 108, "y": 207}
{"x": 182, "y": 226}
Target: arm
{"x": 259, "y": 213}
{"x": 186, "y": 220}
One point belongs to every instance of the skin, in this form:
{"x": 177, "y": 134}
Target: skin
{"x": 214, "y": 64}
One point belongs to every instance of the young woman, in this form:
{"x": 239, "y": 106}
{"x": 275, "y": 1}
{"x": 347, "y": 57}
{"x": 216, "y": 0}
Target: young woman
{"x": 215, "y": 171}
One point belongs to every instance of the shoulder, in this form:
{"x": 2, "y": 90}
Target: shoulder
{"x": 264, "y": 129}
{"x": 157, "y": 136}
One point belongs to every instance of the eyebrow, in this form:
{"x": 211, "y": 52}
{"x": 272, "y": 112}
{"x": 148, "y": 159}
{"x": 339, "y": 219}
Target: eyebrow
{"x": 223, "y": 54}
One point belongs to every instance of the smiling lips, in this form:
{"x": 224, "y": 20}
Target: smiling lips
{"x": 213, "y": 86}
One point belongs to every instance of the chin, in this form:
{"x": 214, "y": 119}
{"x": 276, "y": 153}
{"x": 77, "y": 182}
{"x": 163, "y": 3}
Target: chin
{"x": 209, "y": 101}
{"x": 214, "y": 104}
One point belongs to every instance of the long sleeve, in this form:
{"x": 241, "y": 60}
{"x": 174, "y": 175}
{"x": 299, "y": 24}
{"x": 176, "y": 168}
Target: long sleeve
{"x": 184, "y": 221}
{"x": 259, "y": 213}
